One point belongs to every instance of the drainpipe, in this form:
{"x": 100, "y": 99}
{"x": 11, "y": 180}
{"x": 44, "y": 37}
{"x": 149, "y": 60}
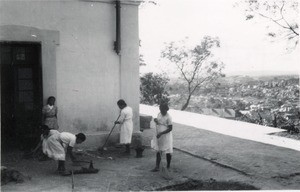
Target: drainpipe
{"x": 117, "y": 43}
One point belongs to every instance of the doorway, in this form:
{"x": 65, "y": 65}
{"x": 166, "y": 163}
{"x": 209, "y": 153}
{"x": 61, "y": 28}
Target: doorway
{"x": 21, "y": 94}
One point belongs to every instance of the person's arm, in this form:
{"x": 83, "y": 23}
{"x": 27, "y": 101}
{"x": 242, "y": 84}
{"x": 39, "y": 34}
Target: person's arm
{"x": 170, "y": 127}
{"x": 121, "y": 117}
{"x": 70, "y": 152}
{"x": 156, "y": 119}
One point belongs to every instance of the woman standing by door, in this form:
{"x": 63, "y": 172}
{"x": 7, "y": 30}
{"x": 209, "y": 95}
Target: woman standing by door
{"x": 50, "y": 114}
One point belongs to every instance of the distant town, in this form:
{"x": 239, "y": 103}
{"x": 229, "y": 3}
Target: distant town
{"x": 266, "y": 100}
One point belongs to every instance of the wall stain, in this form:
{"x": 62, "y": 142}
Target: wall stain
{"x": 103, "y": 127}
{"x": 79, "y": 125}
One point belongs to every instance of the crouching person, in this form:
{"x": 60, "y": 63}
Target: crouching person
{"x": 57, "y": 145}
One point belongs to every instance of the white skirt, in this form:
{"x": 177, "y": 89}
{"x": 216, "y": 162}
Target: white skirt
{"x": 163, "y": 144}
{"x": 126, "y": 132}
{"x": 53, "y": 148}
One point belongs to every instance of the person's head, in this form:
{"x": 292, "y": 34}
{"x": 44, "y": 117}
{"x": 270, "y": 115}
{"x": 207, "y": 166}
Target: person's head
{"x": 164, "y": 108}
{"x": 80, "y": 137}
{"x": 121, "y": 104}
{"x": 51, "y": 100}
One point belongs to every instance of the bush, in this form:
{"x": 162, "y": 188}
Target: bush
{"x": 153, "y": 89}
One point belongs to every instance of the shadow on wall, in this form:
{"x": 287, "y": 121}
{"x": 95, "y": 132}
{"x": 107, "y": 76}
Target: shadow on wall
{"x": 79, "y": 125}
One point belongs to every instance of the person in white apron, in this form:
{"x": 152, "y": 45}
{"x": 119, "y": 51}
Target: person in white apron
{"x": 163, "y": 139}
{"x": 125, "y": 120}
{"x": 56, "y": 145}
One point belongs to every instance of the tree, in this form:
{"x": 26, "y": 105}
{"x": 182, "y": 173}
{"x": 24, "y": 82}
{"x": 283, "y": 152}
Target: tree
{"x": 194, "y": 64}
{"x": 153, "y": 88}
{"x": 283, "y": 13}
{"x": 240, "y": 105}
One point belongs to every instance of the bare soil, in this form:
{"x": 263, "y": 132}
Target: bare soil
{"x": 123, "y": 173}
{"x": 208, "y": 185}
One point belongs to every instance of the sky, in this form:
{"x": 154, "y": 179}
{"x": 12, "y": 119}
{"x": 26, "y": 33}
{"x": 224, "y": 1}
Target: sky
{"x": 245, "y": 48}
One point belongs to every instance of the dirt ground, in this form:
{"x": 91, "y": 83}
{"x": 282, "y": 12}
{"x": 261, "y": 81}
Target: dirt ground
{"x": 118, "y": 173}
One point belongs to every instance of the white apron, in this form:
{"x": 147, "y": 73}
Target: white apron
{"x": 52, "y": 147}
{"x": 126, "y": 125}
{"x": 165, "y": 142}
{"x": 56, "y": 144}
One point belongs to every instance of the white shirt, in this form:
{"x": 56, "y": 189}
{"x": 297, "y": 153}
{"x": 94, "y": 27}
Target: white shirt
{"x": 126, "y": 114}
{"x": 68, "y": 139}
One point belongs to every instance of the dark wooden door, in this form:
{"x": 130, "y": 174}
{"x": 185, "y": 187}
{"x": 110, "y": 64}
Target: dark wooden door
{"x": 21, "y": 93}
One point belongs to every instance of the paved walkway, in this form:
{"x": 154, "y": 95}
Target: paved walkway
{"x": 232, "y": 128}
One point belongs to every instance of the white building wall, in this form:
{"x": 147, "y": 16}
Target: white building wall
{"x": 130, "y": 81}
{"x": 89, "y": 74}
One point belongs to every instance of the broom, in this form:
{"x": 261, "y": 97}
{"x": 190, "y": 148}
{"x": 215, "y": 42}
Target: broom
{"x": 103, "y": 148}
{"x": 164, "y": 172}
